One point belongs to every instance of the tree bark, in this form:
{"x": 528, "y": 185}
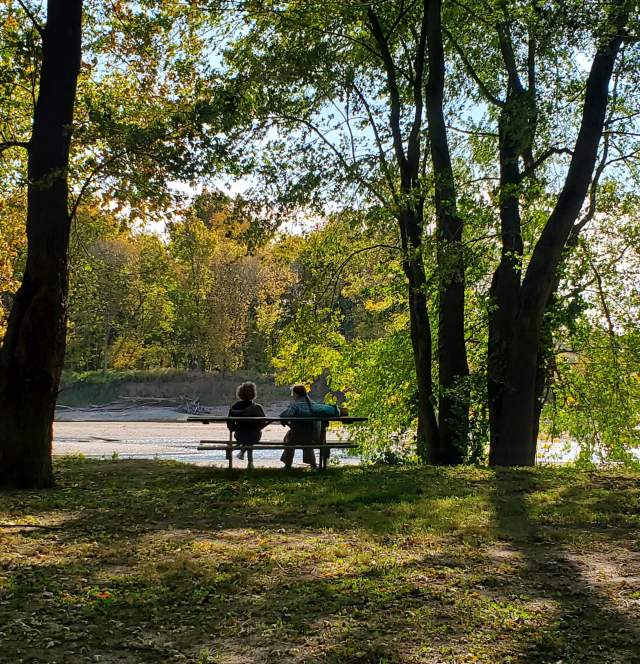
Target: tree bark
{"x": 32, "y": 353}
{"x": 410, "y": 217}
{"x": 453, "y": 367}
{"x": 516, "y": 323}
{"x": 505, "y": 285}
{"x": 428, "y": 439}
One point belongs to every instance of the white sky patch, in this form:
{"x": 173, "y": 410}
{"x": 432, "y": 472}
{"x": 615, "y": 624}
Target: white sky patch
{"x": 583, "y": 61}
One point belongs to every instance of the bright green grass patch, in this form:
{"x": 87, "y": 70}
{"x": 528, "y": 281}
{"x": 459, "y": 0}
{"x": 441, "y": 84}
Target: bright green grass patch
{"x": 129, "y": 561}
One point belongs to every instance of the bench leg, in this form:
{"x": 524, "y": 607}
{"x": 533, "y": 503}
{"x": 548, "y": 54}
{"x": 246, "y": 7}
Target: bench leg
{"x": 323, "y": 452}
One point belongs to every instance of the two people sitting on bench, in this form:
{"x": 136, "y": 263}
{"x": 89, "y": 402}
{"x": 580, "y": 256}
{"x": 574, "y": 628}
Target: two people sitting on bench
{"x": 304, "y": 433}
{"x": 246, "y": 433}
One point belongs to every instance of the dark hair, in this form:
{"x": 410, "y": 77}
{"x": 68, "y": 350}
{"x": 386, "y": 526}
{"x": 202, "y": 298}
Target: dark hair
{"x": 246, "y": 391}
{"x": 301, "y": 391}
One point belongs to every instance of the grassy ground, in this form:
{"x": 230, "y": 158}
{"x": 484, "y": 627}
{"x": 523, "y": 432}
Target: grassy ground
{"x": 132, "y": 561}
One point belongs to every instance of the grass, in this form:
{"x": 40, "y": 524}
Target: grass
{"x": 129, "y": 561}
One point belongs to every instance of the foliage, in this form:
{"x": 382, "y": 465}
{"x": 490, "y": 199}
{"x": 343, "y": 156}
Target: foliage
{"x": 120, "y": 311}
{"x": 167, "y": 271}
{"x": 597, "y": 397}
{"x": 190, "y": 299}
{"x": 12, "y": 247}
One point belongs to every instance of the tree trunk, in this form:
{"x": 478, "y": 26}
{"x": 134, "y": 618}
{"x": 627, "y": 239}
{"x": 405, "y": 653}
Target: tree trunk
{"x": 516, "y": 323}
{"x": 514, "y": 425}
{"x": 428, "y": 443}
{"x": 505, "y": 285}
{"x": 453, "y": 367}
{"x": 410, "y": 219}
{"x": 32, "y": 354}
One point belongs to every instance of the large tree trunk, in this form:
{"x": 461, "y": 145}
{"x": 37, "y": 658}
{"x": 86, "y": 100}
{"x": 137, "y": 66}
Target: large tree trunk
{"x": 453, "y": 368}
{"x": 516, "y": 323}
{"x": 514, "y": 425}
{"x": 32, "y": 354}
{"x": 505, "y": 286}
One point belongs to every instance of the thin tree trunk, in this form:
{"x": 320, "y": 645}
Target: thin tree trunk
{"x": 428, "y": 440}
{"x": 32, "y": 354}
{"x": 453, "y": 366}
{"x": 410, "y": 219}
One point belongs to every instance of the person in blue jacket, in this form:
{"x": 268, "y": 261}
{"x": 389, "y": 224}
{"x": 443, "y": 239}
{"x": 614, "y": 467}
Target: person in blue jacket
{"x": 304, "y": 432}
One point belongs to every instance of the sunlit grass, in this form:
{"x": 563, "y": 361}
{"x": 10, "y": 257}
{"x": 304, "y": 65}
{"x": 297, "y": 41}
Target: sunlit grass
{"x": 158, "y": 562}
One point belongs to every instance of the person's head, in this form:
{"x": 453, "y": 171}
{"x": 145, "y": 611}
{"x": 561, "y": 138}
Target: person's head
{"x": 298, "y": 391}
{"x": 247, "y": 391}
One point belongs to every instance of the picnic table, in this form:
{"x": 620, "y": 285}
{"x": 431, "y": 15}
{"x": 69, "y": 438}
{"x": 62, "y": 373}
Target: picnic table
{"x": 229, "y": 445}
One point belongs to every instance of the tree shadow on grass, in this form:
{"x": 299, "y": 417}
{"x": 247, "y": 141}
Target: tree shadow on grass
{"x": 587, "y": 626}
{"x": 251, "y": 609}
{"x": 298, "y": 568}
{"x": 127, "y": 497}
{"x": 271, "y": 567}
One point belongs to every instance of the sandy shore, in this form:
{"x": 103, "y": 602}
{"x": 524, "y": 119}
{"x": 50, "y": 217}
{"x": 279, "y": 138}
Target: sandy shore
{"x": 165, "y": 435}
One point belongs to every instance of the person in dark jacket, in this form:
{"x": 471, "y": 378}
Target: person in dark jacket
{"x": 304, "y": 432}
{"x": 246, "y": 433}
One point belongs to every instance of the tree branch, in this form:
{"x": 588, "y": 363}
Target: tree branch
{"x": 602, "y": 164}
{"x": 345, "y": 164}
{"x": 541, "y": 273}
{"x": 472, "y": 72}
{"x": 5, "y": 145}
{"x": 541, "y": 159}
{"x": 392, "y": 86}
{"x": 509, "y": 58}
{"x": 489, "y": 134}
{"x": 36, "y": 24}
{"x": 336, "y": 275}
{"x": 383, "y": 159}
{"x": 413, "y": 147}
{"x": 89, "y": 180}
{"x": 401, "y": 14}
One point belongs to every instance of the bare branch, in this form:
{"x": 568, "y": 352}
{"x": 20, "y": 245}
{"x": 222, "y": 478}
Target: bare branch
{"x": 32, "y": 17}
{"x": 5, "y": 145}
{"x": 401, "y": 14}
{"x": 336, "y": 276}
{"x": 470, "y": 132}
{"x": 469, "y": 11}
{"x": 285, "y": 17}
{"x": 349, "y": 168}
{"x": 472, "y": 72}
{"x": 383, "y": 159}
{"x": 91, "y": 177}
{"x": 541, "y": 159}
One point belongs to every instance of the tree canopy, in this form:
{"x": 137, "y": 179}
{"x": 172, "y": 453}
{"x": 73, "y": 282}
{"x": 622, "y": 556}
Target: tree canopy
{"x": 431, "y": 205}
